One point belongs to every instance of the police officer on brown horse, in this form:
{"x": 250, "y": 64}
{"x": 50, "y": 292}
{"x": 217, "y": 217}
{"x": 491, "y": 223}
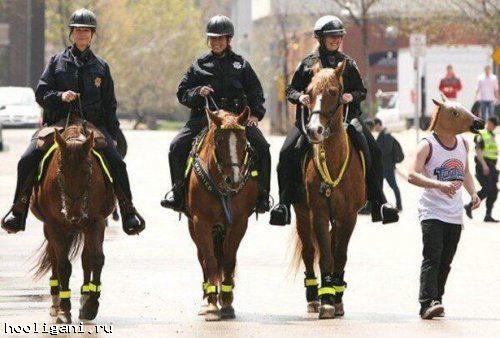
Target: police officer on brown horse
{"x": 74, "y": 76}
{"x": 220, "y": 79}
{"x": 329, "y": 31}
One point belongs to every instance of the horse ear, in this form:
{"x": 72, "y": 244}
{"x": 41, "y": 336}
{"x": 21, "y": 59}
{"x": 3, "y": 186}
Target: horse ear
{"x": 316, "y": 68}
{"x": 243, "y": 117}
{"x": 437, "y": 103}
{"x": 59, "y": 139}
{"x": 213, "y": 117}
{"x": 340, "y": 69}
{"x": 88, "y": 145}
{"x": 443, "y": 98}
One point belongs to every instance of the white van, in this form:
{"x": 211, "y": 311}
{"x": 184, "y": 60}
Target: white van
{"x": 18, "y": 107}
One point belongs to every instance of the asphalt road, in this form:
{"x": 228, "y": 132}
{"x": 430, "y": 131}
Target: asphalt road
{"x": 152, "y": 282}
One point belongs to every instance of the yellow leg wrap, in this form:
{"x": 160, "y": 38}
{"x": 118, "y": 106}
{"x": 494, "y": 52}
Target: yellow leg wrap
{"x": 65, "y": 294}
{"x": 310, "y": 282}
{"x": 94, "y": 288}
{"x": 53, "y": 282}
{"x": 339, "y": 288}
{"x": 326, "y": 291}
{"x": 85, "y": 288}
{"x": 210, "y": 289}
{"x": 226, "y": 288}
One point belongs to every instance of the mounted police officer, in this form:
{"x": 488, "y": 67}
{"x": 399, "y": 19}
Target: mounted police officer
{"x": 227, "y": 81}
{"x": 72, "y": 75}
{"x": 329, "y": 31}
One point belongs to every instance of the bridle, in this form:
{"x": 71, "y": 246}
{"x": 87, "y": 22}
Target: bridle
{"x": 65, "y": 197}
{"x": 327, "y": 114}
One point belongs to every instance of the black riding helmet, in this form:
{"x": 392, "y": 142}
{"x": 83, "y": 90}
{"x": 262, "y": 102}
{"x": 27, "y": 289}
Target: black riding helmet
{"x": 220, "y": 25}
{"x": 83, "y": 18}
{"x": 329, "y": 25}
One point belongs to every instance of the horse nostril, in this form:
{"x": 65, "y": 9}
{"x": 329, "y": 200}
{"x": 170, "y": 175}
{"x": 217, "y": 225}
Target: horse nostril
{"x": 227, "y": 180}
{"x": 320, "y": 130}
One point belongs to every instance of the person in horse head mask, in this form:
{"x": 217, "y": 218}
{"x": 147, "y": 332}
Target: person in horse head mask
{"x": 222, "y": 79}
{"x": 329, "y": 31}
{"x": 72, "y": 75}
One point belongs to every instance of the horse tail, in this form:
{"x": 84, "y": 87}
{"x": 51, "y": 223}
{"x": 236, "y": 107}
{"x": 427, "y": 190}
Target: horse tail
{"x": 44, "y": 264}
{"x": 297, "y": 246}
{"x": 219, "y": 235}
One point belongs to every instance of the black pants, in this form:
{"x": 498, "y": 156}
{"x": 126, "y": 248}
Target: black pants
{"x": 182, "y": 143}
{"x": 489, "y": 189}
{"x": 290, "y": 172}
{"x": 440, "y": 244}
{"x": 390, "y": 177}
{"x": 31, "y": 158}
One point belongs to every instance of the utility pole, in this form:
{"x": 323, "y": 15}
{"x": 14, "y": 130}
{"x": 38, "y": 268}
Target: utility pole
{"x": 29, "y": 10}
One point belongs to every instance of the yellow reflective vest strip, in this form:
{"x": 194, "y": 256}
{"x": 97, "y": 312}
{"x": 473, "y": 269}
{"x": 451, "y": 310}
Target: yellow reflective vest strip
{"x": 490, "y": 150}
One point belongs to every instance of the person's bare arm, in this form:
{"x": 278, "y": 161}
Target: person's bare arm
{"x": 469, "y": 184}
{"x": 417, "y": 178}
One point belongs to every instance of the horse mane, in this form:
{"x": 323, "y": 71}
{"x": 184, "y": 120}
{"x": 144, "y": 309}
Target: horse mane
{"x": 434, "y": 120}
{"x": 324, "y": 78}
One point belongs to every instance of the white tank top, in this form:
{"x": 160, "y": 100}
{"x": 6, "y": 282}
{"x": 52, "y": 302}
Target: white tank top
{"x": 443, "y": 164}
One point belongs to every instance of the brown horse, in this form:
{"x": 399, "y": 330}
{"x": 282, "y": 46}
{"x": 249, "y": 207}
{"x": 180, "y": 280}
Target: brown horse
{"x": 73, "y": 200}
{"x": 335, "y": 191}
{"x": 221, "y": 195}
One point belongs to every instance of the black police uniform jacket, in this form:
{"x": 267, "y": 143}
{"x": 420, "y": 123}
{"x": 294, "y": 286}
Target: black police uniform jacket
{"x": 234, "y": 82}
{"x": 84, "y": 73}
{"x": 353, "y": 84}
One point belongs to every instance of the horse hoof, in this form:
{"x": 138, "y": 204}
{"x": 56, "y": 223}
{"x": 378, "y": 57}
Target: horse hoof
{"x": 313, "y": 307}
{"x": 326, "y": 311}
{"x": 63, "y": 318}
{"x": 54, "y": 310}
{"x": 203, "y": 310}
{"x": 227, "y": 312}
{"x": 339, "y": 309}
{"x": 212, "y": 316}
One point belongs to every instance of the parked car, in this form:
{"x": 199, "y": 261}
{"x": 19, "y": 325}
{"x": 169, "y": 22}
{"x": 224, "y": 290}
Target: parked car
{"x": 388, "y": 111}
{"x": 18, "y": 107}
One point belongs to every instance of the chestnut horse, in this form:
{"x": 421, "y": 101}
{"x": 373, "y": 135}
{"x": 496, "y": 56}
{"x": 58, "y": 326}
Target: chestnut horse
{"x": 335, "y": 191}
{"x": 221, "y": 194}
{"x": 73, "y": 200}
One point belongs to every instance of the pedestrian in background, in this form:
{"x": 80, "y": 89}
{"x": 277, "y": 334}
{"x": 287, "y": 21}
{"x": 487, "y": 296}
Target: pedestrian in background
{"x": 486, "y": 171}
{"x": 450, "y": 85}
{"x": 392, "y": 153}
{"x": 487, "y": 93}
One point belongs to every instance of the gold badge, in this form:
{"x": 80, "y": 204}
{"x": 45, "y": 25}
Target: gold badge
{"x": 97, "y": 82}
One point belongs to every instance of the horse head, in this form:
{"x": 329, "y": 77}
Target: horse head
{"x": 74, "y": 171}
{"x": 453, "y": 117}
{"x": 325, "y": 92}
{"x": 230, "y": 146}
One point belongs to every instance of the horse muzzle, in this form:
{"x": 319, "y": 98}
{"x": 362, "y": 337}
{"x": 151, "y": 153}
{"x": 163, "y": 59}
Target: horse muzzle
{"x": 477, "y": 125}
{"x": 315, "y": 135}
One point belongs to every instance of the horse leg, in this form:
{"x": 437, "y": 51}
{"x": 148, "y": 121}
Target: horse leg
{"x": 341, "y": 234}
{"x": 54, "y": 283}
{"x": 326, "y": 293}
{"x": 305, "y": 234}
{"x": 231, "y": 245}
{"x": 204, "y": 304}
{"x": 60, "y": 246}
{"x": 205, "y": 245}
{"x": 87, "y": 272}
{"x": 94, "y": 238}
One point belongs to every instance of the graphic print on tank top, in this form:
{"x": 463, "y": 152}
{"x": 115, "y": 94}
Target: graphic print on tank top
{"x": 450, "y": 170}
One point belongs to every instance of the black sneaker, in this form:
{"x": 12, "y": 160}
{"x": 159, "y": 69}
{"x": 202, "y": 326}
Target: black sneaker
{"x": 280, "y": 215}
{"x": 490, "y": 219}
{"x": 263, "y": 204}
{"x": 435, "y": 309}
{"x": 468, "y": 210}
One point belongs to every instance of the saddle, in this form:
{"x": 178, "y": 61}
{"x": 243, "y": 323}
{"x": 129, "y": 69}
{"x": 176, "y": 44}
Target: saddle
{"x": 45, "y": 136}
